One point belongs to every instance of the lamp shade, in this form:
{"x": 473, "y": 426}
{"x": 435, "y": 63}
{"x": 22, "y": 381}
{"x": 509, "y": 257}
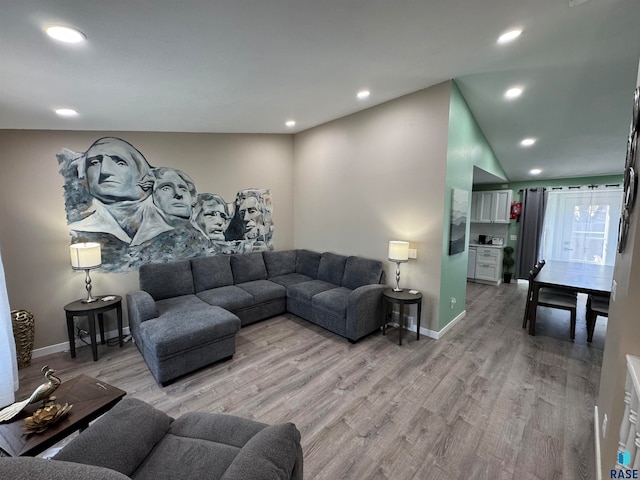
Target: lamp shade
{"x": 85, "y": 255}
{"x": 398, "y": 251}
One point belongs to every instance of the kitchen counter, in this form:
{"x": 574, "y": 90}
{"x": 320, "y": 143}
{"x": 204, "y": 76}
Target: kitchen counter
{"x": 487, "y": 246}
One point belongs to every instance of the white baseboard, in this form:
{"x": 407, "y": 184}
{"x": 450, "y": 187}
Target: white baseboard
{"x": 436, "y": 335}
{"x": 64, "y": 346}
{"x": 596, "y": 433}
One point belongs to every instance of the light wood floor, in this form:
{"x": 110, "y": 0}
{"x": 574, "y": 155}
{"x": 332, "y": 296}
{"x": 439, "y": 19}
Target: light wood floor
{"x": 486, "y": 401}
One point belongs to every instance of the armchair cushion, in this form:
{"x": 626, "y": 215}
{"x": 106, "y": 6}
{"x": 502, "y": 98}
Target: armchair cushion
{"x": 269, "y": 455}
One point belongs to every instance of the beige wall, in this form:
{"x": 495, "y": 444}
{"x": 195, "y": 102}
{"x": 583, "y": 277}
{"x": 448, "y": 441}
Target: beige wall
{"x": 375, "y": 176}
{"x": 623, "y": 338}
{"x": 33, "y": 233}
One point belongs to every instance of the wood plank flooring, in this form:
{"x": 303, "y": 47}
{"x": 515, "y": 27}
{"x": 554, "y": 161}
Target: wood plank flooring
{"x": 486, "y": 401}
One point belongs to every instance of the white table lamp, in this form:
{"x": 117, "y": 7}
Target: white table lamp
{"x": 398, "y": 253}
{"x": 86, "y": 256}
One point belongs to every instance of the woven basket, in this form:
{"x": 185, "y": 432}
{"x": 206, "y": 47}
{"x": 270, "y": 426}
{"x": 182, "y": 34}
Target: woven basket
{"x": 24, "y": 327}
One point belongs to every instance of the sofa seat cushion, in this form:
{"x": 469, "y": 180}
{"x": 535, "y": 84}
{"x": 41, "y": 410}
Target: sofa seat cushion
{"x": 306, "y": 290}
{"x": 290, "y": 279}
{"x": 169, "y": 335}
{"x": 333, "y": 301}
{"x": 230, "y": 297}
{"x": 263, "y": 290}
{"x": 196, "y": 456}
{"x": 180, "y": 305}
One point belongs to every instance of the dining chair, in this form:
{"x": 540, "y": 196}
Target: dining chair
{"x": 551, "y": 298}
{"x": 597, "y": 305}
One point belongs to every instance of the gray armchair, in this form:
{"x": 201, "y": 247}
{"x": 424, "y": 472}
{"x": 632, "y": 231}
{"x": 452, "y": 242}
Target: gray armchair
{"x": 134, "y": 440}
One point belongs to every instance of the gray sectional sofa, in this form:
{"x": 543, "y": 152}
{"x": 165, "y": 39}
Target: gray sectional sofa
{"x": 134, "y": 440}
{"x": 187, "y": 312}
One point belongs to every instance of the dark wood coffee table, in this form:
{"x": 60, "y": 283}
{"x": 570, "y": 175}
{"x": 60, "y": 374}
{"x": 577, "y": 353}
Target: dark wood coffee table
{"x": 90, "y": 399}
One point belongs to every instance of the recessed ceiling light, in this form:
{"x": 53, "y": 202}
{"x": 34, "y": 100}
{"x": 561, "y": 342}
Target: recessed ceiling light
{"x": 290, "y": 123}
{"x": 512, "y": 93}
{"x": 535, "y": 171}
{"x": 65, "y": 34}
{"x": 363, "y": 94}
{"x": 527, "y": 142}
{"x": 66, "y": 112}
{"x": 509, "y": 36}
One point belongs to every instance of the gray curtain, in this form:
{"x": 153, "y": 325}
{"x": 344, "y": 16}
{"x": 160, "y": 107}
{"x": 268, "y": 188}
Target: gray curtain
{"x": 534, "y": 201}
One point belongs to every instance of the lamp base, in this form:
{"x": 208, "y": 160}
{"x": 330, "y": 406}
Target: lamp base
{"x": 398, "y": 289}
{"x": 87, "y": 280}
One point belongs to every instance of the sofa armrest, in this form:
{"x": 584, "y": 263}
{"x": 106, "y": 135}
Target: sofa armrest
{"x": 364, "y": 311}
{"x": 121, "y": 439}
{"x": 141, "y": 307}
{"x": 24, "y": 468}
{"x": 274, "y": 453}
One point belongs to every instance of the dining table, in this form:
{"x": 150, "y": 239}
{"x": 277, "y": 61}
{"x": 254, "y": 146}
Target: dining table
{"x": 589, "y": 278}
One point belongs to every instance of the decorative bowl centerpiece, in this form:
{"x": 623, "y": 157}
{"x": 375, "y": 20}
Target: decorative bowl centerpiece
{"x": 46, "y": 416}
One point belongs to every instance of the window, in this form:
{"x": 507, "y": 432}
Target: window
{"x": 581, "y": 225}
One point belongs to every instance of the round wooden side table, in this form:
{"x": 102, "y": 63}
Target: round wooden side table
{"x": 402, "y": 298}
{"x": 90, "y": 310}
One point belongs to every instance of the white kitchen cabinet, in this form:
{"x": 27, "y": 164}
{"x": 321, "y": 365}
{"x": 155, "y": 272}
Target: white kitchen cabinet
{"x": 489, "y": 265}
{"x": 492, "y": 206}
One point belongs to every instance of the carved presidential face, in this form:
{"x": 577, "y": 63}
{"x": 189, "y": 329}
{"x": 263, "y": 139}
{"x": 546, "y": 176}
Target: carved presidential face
{"x": 215, "y": 219}
{"x": 252, "y": 217}
{"x": 171, "y": 194}
{"x": 114, "y": 171}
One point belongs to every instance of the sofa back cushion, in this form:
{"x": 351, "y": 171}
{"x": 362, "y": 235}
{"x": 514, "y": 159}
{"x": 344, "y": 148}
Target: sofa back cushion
{"x": 307, "y": 263}
{"x": 166, "y": 280}
{"x": 211, "y": 272}
{"x": 331, "y": 268}
{"x": 362, "y": 271}
{"x": 280, "y": 263}
{"x": 121, "y": 439}
{"x": 247, "y": 267}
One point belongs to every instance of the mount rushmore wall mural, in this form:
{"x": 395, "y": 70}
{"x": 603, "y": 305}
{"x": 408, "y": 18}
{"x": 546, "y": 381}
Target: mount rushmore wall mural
{"x": 141, "y": 214}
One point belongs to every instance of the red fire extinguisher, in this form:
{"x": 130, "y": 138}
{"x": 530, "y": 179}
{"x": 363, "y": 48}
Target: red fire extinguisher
{"x": 516, "y": 210}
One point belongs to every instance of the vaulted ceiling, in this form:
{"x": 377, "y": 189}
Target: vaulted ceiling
{"x": 250, "y": 65}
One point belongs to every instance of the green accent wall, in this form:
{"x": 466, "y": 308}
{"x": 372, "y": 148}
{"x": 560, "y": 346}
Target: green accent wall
{"x": 467, "y": 147}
